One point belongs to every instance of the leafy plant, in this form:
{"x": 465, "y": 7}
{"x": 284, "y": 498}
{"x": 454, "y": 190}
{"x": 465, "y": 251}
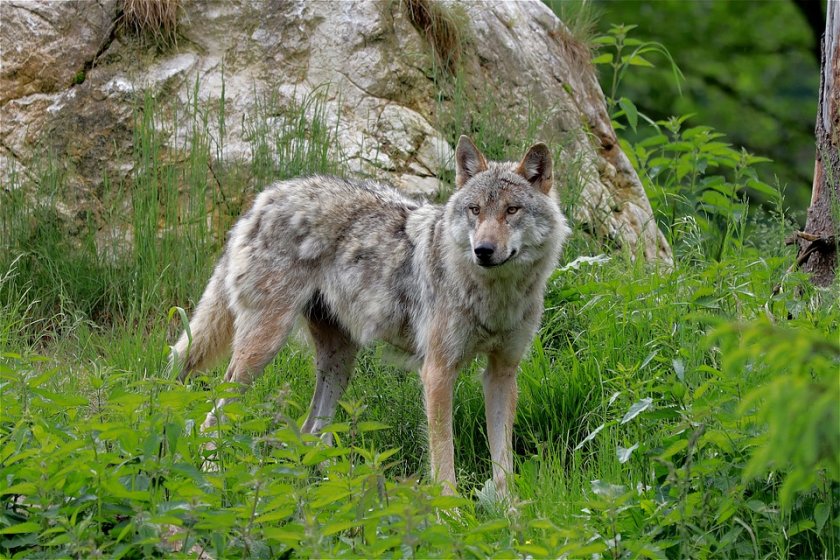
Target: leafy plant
{"x": 698, "y": 184}
{"x": 623, "y": 53}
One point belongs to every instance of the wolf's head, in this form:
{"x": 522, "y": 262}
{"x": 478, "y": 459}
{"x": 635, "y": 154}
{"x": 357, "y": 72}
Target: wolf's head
{"x": 505, "y": 212}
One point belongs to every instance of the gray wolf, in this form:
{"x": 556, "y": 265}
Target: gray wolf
{"x": 359, "y": 262}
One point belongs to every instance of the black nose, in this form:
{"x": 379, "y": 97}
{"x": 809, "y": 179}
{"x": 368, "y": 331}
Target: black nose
{"x": 484, "y": 252}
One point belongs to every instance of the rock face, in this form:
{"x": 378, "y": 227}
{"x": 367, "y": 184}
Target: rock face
{"x": 70, "y": 82}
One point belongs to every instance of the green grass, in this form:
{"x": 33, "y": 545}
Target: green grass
{"x": 682, "y": 413}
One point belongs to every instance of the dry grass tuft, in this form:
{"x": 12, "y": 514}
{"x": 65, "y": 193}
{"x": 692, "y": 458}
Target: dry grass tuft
{"x": 155, "y": 21}
{"x": 443, "y": 26}
{"x": 580, "y": 27}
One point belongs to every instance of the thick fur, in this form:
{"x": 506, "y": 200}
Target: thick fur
{"x": 361, "y": 262}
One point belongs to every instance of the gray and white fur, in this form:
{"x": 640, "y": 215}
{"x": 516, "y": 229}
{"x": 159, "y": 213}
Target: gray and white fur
{"x": 361, "y": 262}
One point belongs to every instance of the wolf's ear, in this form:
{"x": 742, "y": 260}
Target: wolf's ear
{"x": 536, "y": 167}
{"x": 468, "y": 161}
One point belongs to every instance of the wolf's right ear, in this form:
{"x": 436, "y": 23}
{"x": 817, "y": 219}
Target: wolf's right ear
{"x": 468, "y": 161}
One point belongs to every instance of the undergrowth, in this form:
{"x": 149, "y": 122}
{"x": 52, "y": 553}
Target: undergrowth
{"x": 681, "y": 413}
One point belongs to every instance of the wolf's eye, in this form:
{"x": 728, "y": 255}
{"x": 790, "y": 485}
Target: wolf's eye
{"x": 475, "y": 210}
{"x": 513, "y": 209}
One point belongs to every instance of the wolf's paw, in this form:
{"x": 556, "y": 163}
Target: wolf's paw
{"x": 495, "y": 500}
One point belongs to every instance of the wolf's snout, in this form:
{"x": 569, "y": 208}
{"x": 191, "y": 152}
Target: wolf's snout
{"x": 484, "y": 252}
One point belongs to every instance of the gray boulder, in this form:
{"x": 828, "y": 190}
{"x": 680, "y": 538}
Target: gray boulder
{"x": 70, "y": 82}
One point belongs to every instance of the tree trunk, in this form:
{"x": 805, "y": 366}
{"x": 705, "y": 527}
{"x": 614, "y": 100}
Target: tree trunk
{"x": 818, "y": 243}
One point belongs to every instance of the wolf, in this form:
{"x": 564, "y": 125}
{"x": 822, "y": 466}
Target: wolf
{"x": 358, "y": 261}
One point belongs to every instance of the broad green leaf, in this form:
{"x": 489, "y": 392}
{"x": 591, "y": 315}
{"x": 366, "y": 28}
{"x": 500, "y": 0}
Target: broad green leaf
{"x": 22, "y": 488}
{"x": 637, "y": 408}
{"x": 763, "y": 188}
{"x": 532, "y": 550}
{"x": 653, "y": 141}
{"x": 336, "y": 427}
{"x": 381, "y": 545}
{"x": 448, "y": 502}
{"x": 821, "y": 512}
{"x": 61, "y": 399}
{"x": 290, "y": 534}
{"x": 636, "y": 60}
{"x": 369, "y": 426}
{"x": 380, "y": 457}
{"x": 329, "y": 496}
{"x": 726, "y": 510}
{"x": 26, "y": 527}
{"x": 630, "y": 112}
{"x": 590, "y": 437}
{"x": 624, "y": 453}
{"x": 339, "y": 526}
{"x": 278, "y": 515}
{"x": 491, "y": 526}
{"x": 605, "y": 58}
{"x": 673, "y": 449}
{"x": 800, "y": 526}
{"x": 714, "y": 199}
{"x": 39, "y": 380}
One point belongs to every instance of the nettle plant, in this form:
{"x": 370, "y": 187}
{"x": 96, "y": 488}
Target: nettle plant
{"x": 699, "y": 186}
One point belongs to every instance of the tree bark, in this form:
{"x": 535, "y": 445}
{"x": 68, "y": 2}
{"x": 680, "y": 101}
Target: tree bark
{"x": 818, "y": 243}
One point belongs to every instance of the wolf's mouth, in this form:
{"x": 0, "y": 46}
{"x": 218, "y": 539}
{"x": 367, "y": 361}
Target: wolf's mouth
{"x": 494, "y": 265}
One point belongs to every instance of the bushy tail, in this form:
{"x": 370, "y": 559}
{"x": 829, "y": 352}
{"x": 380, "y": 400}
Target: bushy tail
{"x": 211, "y": 328}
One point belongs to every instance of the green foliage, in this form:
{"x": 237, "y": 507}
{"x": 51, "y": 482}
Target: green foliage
{"x": 116, "y": 472}
{"x": 635, "y": 437}
{"x": 796, "y": 404}
{"x": 623, "y": 53}
{"x": 750, "y": 70}
{"x": 722, "y": 449}
{"x": 697, "y": 185}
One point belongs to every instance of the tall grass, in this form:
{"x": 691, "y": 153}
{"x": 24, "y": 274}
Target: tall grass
{"x": 163, "y": 225}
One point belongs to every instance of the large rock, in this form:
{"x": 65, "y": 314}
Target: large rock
{"x": 70, "y": 85}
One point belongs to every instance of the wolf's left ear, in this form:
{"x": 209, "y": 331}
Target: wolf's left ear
{"x": 468, "y": 161}
{"x": 536, "y": 167}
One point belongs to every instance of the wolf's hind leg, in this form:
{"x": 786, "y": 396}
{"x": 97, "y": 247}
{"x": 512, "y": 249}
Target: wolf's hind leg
{"x": 335, "y": 355}
{"x": 258, "y": 336}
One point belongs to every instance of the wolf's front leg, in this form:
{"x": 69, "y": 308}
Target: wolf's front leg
{"x": 438, "y": 383}
{"x": 500, "y": 408}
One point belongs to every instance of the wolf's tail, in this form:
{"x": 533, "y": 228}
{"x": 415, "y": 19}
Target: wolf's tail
{"x": 210, "y": 332}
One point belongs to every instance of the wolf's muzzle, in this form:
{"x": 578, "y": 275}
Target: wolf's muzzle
{"x": 484, "y": 253}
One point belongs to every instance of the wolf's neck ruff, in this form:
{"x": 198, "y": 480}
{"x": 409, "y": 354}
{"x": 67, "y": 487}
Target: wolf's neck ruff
{"x": 359, "y": 262}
